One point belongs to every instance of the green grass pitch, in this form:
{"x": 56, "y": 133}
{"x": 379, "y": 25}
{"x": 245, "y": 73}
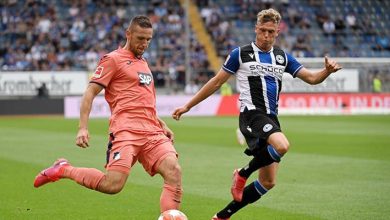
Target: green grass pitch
{"x": 338, "y": 167}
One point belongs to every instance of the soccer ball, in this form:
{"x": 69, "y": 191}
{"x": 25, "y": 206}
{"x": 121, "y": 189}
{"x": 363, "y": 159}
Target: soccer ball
{"x": 172, "y": 214}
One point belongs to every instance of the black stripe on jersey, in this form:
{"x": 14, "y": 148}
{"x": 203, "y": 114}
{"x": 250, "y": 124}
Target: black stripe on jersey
{"x": 256, "y": 89}
{"x": 277, "y": 51}
{"x": 247, "y": 54}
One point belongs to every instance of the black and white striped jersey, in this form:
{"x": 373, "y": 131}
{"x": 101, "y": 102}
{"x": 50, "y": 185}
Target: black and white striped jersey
{"x": 259, "y": 75}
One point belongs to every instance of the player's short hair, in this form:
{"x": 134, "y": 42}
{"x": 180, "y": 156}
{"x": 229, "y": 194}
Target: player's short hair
{"x": 140, "y": 20}
{"x": 269, "y": 15}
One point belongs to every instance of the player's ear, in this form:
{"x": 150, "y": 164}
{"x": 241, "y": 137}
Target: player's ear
{"x": 256, "y": 27}
{"x": 277, "y": 31}
{"x": 128, "y": 33}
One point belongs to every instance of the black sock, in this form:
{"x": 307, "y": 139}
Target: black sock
{"x": 250, "y": 195}
{"x": 265, "y": 157}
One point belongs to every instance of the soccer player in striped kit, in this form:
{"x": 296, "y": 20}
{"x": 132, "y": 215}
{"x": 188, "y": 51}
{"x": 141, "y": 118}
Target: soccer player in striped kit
{"x": 258, "y": 67}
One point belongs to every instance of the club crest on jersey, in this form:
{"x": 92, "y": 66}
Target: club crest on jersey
{"x": 117, "y": 156}
{"x": 145, "y": 78}
{"x": 98, "y": 72}
{"x": 267, "y": 127}
{"x": 280, "y": 59}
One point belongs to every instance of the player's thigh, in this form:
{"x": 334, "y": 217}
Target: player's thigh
{"x": 267, "y": 175}
{"x": 160, "y": 149}
{"x": 116, "y": 177}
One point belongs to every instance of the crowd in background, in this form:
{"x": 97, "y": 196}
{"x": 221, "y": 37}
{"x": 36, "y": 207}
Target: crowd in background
{"x": 61, "y": 35}
{"x": 74, "y": 34}
{"x": 309, "y": 28}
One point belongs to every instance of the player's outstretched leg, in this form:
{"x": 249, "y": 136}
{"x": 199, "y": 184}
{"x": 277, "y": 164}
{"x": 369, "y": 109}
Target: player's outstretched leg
{"x": 51, "y": 174}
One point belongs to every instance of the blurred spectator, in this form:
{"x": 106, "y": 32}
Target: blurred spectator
{"x": 376, "y": 83}
{"x": 42, "y": 91}
{"x": 382, "y": 42}
{"x": 226, "y": 89}
{"x": 191, "y": 88}
{"x": 301, "y": 48}
{"x": 339, "y": 25}
{"x": 351, "y": 21}
{"x": 328, "y": 27}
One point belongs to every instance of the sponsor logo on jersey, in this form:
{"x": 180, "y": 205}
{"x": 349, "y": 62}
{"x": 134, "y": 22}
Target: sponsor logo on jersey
{"x": 259, "y": 69}
{"x": 267, "y": 127}
{"x": 145, "y": 78}
{"x": 98, "y": 72}
{"x": 249, "y": 129}
{"x": 251, "y": 55}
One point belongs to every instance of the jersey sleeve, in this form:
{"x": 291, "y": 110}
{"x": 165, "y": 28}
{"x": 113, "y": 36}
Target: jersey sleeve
{"x": 293, "y": 66}
{"x": 104, "y": 71}
{"x": 232, "y": 62}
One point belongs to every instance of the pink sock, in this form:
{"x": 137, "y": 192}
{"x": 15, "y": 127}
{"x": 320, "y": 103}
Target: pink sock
{"x": 170, "y": 197}
{"x": 88, "y": 177}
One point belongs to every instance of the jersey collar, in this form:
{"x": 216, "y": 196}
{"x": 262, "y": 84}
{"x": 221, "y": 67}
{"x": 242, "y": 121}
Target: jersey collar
{"x": 256, "y": 48}
{"x": 129, "y": 53}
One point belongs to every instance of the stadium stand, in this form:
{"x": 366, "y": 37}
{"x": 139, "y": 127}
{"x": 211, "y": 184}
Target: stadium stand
{"x": 72, "y": 35}
{"x": 37, "y": 35}
{"x": 352, "y": 28}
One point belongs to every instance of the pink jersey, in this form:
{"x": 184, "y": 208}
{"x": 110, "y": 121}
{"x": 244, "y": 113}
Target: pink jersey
{"x": 129, "y": 91}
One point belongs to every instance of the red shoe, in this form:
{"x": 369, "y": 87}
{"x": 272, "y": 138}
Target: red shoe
{"x": 238, "y": 186}
{"x": 51, "y": 174}
{"x": 215, "y": 217}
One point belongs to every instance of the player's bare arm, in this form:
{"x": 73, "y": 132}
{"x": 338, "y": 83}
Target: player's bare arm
{"x": 314, "y": 78}
{"x": 91, "y": 92}
{"x": 208, "y": 89}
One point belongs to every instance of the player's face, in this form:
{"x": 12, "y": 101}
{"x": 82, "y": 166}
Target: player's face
{"x": 139, "y": 39}
{"x": 266, "y": 34}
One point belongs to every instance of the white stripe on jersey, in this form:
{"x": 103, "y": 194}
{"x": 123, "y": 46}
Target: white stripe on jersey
{"x": 264, "y": 84}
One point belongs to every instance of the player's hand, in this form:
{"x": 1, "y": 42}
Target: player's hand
{"x": 82, "y": 138}
{"x": 169, "y": 133}
{"x": 331, "y": 65}
{"x": 178, "y": 112}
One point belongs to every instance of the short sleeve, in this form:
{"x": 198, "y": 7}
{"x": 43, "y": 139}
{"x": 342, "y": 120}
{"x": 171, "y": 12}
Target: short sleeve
{"x": 232, "y": 62}
{"x": 293, "y": 66}
{"x": 104, "y": 71}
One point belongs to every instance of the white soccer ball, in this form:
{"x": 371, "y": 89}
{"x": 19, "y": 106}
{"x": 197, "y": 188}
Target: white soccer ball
{"x": 172, "y": 214}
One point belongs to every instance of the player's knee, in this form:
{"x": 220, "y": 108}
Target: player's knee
{"x": 114, "y": 189}
{"x": 170, "y": 170}
{"x": 112, "y": 184}
{"x": 268, "y": 183}
{"x": 174, "y": 174}
{"x": 282, "y": 147}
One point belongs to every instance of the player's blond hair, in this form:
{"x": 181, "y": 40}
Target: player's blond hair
{"x": 269, "y": 15}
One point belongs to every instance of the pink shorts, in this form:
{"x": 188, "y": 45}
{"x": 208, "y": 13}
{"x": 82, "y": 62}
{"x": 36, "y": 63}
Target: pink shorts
{"x": 125, "y": 148}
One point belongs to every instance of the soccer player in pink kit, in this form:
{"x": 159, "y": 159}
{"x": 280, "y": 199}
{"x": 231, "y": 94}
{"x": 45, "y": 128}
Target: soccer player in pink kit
{"x": 136, "y": 132}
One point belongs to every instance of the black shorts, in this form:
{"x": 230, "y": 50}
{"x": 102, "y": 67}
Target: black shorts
{"x": 256, "y": 128}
